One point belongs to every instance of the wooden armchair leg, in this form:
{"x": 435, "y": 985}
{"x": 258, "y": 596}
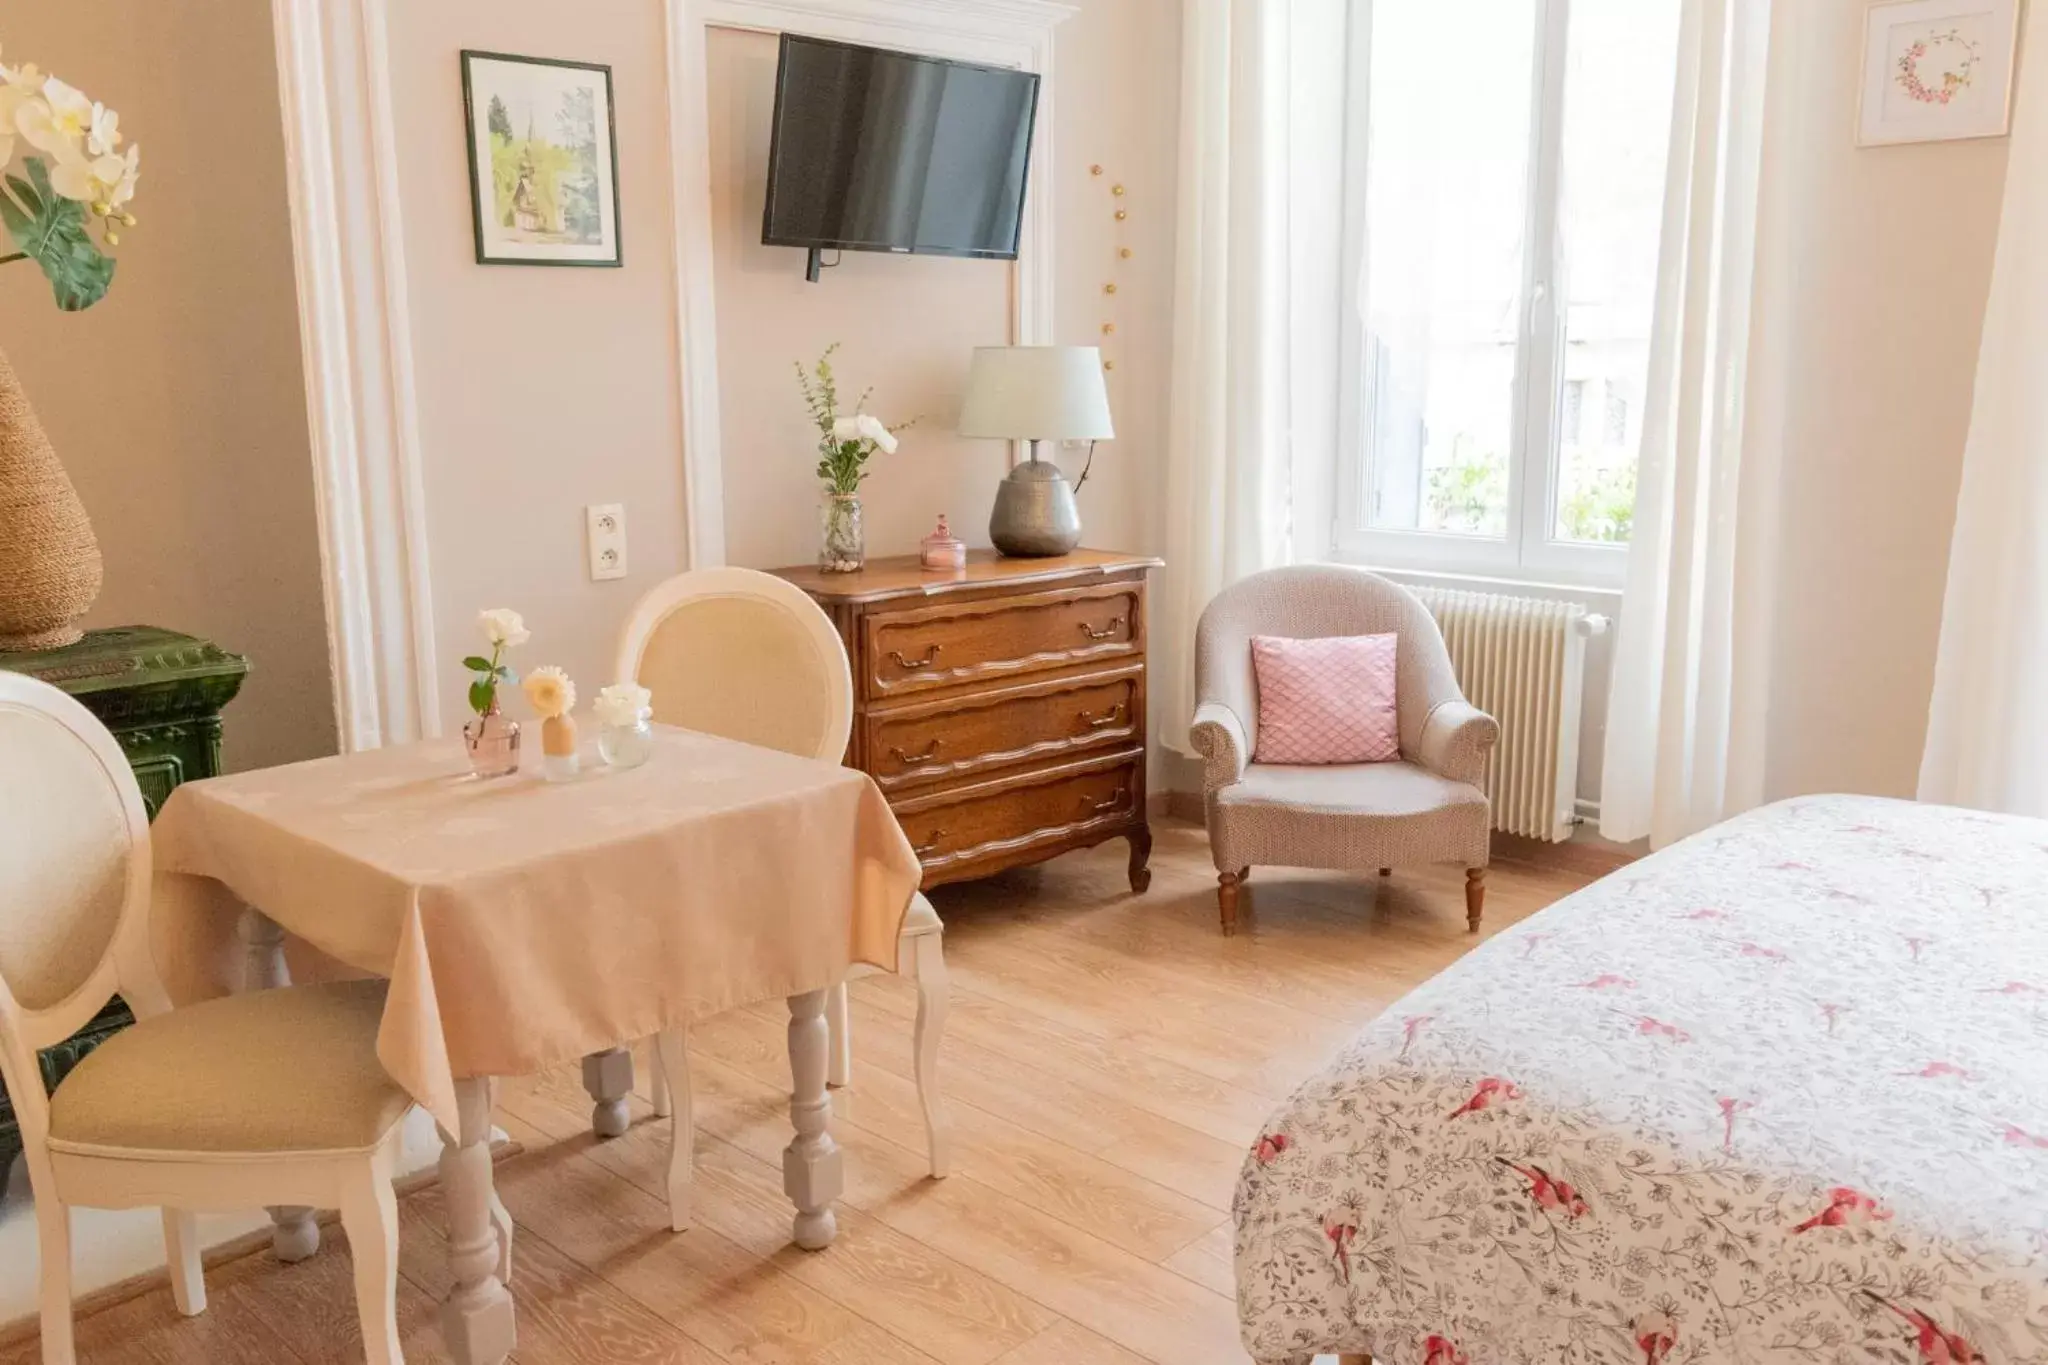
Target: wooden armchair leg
{"x": 1226, "y": 899}
{"x": 1475, "y": 897}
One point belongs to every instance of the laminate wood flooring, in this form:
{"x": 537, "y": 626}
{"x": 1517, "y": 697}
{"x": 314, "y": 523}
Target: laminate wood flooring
{"x": 1108, "y": 1060}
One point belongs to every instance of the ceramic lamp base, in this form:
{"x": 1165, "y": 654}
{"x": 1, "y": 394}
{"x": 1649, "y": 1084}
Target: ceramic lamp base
{"x": 1035, "y": 515}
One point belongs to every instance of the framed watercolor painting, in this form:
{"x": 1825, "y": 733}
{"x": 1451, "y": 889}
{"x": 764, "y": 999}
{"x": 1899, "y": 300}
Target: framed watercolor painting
{"x": 1934, "y": 70}
{"x": 543, "y": 160}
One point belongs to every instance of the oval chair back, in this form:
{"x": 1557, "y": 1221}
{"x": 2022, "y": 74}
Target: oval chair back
{"x": 74, "y": 886}
{"x": 744, "y": 655}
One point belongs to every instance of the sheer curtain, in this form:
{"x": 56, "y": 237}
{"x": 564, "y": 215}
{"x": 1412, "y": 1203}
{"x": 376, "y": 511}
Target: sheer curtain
{"x": 1987, "y": 731}
{"x": 1249, "y": 142}
{"x": 1685, "y": 730}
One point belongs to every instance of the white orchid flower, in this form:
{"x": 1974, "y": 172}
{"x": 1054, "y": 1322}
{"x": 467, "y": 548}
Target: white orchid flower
{"x": 57, "y": 123}
{"x": 503, "y": 626}
{"x": 103, "y": 134}
{"x": 872, "y": 429}
{"x": 846, "y": 429}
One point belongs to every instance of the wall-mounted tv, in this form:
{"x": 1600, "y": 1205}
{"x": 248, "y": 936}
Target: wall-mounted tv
{"x": 875, "y": 150}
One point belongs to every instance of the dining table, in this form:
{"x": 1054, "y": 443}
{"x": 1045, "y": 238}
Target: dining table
{"x": 523, "y": 923}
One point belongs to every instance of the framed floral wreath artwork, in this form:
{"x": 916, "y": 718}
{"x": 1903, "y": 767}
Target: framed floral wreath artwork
{"x": 1935, "y": 70}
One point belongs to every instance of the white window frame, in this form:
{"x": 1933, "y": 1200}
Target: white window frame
{"x": 1528, "y": 551}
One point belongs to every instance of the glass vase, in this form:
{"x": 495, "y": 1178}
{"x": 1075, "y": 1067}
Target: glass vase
{"x": 493, "y": 743}
{"x": 842, "y": 544}
{"x": 626, "y": 746}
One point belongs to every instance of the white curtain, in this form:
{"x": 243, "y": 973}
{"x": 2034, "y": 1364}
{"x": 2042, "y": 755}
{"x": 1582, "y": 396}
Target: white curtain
{"x": 1685, "y": 729}
{"x": 1227, "y": 469}
{"x": 1987, "y": 731}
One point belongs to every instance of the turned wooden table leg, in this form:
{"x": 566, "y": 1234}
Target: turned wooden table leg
{"x": 813, "y": 1169}
{"x": 1226, "y": 899}
{"x": 294, "y": 1234}
{"x": 1475, "y": 897}
{"x": 476, "y": 1317}
{"x": 608, "y": 1077}
{"x": 1141, "y": 856}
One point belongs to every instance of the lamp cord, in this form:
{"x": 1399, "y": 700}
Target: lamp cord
{"x": 1086, "y": 467}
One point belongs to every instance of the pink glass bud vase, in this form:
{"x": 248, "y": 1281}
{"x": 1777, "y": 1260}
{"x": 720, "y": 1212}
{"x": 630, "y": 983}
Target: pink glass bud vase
{"x": 493, "y": 743}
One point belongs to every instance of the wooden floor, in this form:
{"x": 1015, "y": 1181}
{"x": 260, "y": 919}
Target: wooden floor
{"x": 1108, "y": 1060}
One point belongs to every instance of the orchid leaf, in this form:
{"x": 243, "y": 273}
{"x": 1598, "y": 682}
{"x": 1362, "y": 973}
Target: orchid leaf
{"x": 54, "y": 232}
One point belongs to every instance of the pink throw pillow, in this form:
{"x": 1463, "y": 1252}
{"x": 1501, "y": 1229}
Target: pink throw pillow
{"x": 1326, "y": 701}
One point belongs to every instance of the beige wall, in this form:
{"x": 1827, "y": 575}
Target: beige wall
{"x": 1892, "y": 268}
{"x": 907, "y": 325}
{"x": 177, "y": 404}
{"x": 541, "y": 389}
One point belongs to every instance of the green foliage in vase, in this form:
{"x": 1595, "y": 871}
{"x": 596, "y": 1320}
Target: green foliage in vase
{"x": 845, "y": 444}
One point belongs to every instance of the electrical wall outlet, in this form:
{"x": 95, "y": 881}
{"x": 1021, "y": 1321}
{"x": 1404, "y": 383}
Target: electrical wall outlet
{"x": 607, "y": 524}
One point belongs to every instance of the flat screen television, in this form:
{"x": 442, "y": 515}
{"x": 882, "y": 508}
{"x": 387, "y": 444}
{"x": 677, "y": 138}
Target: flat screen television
{"x": 875, "y": 150}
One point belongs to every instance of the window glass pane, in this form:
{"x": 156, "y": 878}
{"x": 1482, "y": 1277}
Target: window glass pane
{"x": 1620, "y": 63}
{"x": 1446, "y": 201}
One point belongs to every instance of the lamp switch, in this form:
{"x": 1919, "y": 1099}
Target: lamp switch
{"x": 607, "y": 525}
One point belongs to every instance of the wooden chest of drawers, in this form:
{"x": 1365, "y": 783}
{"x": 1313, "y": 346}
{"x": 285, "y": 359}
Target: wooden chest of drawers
{"x": 1001, "y": 707}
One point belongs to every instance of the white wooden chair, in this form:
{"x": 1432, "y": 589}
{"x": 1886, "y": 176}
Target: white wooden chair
{"x": 748, "y": 656}
{"x": 270, "y": 1098}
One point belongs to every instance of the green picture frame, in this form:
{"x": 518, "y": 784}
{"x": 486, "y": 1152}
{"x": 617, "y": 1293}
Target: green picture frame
{"x": 542, "y": 135}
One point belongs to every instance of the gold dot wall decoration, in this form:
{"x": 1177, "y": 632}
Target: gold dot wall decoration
{"x": 1120, "y": 215}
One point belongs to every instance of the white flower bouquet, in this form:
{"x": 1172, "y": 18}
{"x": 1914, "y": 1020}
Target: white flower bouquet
{"x": 845, "y": 444}
{"x": 74, "y": 177}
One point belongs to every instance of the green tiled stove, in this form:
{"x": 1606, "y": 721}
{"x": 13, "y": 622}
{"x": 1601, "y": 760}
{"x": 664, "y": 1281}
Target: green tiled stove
{"x": 161, "y": 693}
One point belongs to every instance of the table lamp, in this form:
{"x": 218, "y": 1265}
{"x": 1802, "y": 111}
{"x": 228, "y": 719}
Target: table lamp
{"x": 1036, "y": 393}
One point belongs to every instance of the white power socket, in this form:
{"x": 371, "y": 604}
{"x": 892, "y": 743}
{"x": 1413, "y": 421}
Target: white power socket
{"x": 607, "y": 524}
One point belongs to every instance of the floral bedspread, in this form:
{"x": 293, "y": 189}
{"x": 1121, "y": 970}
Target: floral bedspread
{"x": 1778, "y": 1093}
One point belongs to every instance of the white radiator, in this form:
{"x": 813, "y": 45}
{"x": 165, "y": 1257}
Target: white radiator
{"x": 1522, "y": 660}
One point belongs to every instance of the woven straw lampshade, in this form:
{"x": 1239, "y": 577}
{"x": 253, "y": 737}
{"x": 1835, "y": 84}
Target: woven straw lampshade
{"x": 49, "y": 561}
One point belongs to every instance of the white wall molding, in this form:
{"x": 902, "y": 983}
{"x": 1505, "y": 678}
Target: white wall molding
{"x": 355, "y": 333}
{"x": 1016, "y": 33}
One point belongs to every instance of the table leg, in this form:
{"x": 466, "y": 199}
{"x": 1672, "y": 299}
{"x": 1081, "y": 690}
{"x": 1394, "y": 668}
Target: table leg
{"x": 476, "y": 1317}
{"x": 813, "y": 1170}
{"x": 608, "y": 1077}
{"x": 294, "y": 1234}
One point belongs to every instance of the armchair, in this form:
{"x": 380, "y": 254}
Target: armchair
{"x": 1427, "y": 807}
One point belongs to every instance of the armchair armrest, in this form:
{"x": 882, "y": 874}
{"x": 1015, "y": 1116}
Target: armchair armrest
{"x": 1218, "y": 736}
{"x": 1455, "y": 740}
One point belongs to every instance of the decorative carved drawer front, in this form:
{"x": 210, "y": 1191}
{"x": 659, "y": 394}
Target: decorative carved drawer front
{"x": 1009, "y": 816}
{"x": 943, "y": 646}
{"x": 910, "y": 746}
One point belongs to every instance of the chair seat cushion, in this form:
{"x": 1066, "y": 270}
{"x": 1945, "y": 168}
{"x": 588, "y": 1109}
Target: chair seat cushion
{"x": 291, "y": 1070}
{"x": 1362, "y": 815}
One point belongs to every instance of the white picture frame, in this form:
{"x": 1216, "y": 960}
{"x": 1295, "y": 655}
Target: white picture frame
{"x": 1937, "y": 71}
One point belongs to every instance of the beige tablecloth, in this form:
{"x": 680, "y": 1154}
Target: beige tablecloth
{"x": 523, "y": 923}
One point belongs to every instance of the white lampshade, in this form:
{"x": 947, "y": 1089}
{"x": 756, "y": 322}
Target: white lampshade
{"x": 1037, "y": 393}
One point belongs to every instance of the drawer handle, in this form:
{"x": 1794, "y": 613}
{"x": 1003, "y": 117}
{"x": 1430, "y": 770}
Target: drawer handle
{"x": 1105, "y": 633}
{"x": 1102, "y": 722}
{"x": 930, "y": 845}
{"x": 1103, "y": 807}
{"x": 912, "y": 760}
{"x": 912, "y": 665}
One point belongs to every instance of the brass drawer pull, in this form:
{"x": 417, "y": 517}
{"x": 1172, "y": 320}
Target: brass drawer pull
{"x": 1102, "y": 722}
{"x": 912, "y": 665}
{"x": 930, "y": 845}
{"x": 912, "y": 760}
{"x": 1105, "y": 806}
{"x": 1105, "y": 633}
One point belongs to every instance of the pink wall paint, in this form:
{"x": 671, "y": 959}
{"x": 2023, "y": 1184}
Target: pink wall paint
{"x": 541, "y": 389}
{"x": 178, "y": 404}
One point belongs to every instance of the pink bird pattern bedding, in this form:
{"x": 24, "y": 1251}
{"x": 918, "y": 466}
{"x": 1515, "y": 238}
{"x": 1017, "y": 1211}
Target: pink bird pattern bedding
{"x": 1778, "y": 1093}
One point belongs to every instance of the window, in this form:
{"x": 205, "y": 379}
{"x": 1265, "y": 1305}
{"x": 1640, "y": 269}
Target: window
{"x": 1501, "y": 156}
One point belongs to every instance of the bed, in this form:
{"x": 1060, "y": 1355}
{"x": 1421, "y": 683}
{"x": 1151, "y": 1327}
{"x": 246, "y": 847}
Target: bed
{"x": 1777, "y": 1093}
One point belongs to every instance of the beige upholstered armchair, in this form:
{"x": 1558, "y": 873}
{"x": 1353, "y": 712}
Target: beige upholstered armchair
{"x": 1425, "y": 808}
